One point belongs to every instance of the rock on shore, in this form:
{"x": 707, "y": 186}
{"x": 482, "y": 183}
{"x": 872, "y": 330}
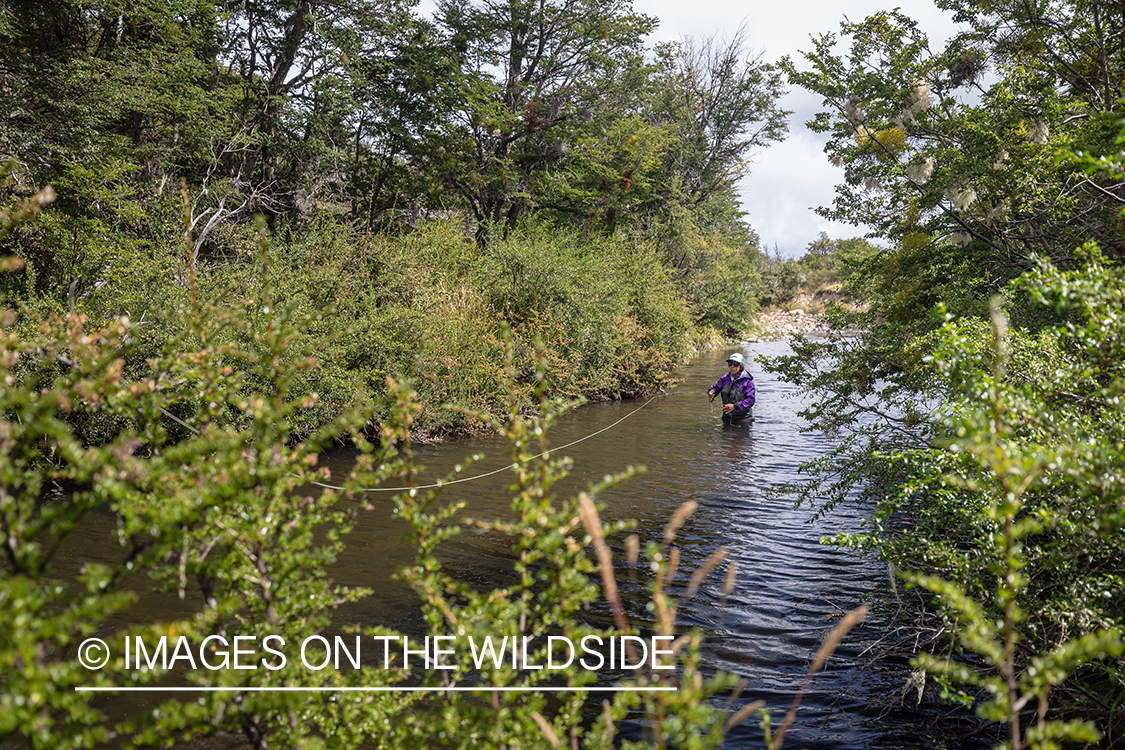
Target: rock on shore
{"x": 782, "y": 324}
{"x": 804, "y": 317}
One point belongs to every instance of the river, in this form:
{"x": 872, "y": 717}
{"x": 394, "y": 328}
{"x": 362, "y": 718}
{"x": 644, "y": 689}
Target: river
{"x": 790, "y": 589}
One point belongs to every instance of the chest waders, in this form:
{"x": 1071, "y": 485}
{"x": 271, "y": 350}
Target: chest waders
{"x": 732, "y": 393}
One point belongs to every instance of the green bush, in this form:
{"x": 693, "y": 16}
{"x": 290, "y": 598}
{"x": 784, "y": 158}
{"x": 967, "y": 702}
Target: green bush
{"x": 426, "y": 305}
{"x": 1000, "y": 446}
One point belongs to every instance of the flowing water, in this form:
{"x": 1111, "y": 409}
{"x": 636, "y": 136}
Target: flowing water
{"x": 790, "y": 588}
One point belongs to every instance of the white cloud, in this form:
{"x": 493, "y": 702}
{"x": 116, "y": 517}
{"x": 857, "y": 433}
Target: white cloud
{"x": 786, "y": 183}
{"x": 778, "y": 28}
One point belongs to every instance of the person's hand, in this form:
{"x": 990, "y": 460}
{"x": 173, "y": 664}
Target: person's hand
{"x": 711, "y": 392}
{"x": 728, "y": 408}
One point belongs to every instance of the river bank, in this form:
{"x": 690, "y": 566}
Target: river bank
{"x": 802, "y": 316}
{"x": 778, "y": 325}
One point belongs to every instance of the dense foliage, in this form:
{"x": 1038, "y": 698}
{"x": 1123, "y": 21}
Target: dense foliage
{"x": 426, "y": 304}
{"x": 980, "y": 409}
{"x": 819, "y": 274}
{"x": 355, "y": 125}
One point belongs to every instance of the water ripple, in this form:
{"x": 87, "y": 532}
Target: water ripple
{"x": 790, "y": 589}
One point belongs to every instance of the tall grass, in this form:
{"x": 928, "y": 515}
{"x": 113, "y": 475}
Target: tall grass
{"x": 425, "y": 305}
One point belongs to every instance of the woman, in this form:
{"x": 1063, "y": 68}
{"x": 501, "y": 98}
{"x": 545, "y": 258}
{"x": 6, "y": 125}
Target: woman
{"x": 737, "y": 389}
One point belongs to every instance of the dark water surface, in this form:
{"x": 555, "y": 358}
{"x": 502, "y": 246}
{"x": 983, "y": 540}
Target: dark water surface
{"x": 790, "y": 590}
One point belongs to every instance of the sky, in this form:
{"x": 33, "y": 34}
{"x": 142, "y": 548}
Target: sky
{"x": 788, "y": 180}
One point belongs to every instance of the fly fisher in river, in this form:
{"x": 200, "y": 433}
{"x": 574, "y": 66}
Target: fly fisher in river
{"x": 737, "y": 390}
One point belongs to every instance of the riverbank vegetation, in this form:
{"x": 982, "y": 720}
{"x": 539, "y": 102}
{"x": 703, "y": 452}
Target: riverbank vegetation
{"x": 817, "y": 276}
{"x": 980, "y": 411}
{"x": 230, "y": 232}
{"x": 422, "y": 180}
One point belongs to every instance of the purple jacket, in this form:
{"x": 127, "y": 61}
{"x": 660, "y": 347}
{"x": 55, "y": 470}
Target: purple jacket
{"x": 739, "y": 392}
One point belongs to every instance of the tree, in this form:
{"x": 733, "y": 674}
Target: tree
{"x": 405, "y": 97}
{"x": 720, "y": 104}
{"x": 306, "y": 70}
{"x": 821, "y": 247}
{"x": 532, "y": 75}
{"x": 716, "y": 104}
{"x": 937, "y": 158}
{"x": 111, "y": 106}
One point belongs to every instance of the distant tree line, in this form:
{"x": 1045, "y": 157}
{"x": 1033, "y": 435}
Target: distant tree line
{"x": 824, "y": 267}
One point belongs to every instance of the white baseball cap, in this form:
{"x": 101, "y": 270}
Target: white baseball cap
{"x": 736, "y": 357}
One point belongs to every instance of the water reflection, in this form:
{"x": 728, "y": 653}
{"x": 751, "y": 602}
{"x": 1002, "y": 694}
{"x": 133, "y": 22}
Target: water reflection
{"x": 790, "y": 588}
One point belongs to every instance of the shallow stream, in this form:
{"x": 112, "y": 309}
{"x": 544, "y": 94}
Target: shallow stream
{"x": 790, "y": 588}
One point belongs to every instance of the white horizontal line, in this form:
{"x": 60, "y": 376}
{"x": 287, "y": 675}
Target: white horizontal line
{"x": 457, "y": 688}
